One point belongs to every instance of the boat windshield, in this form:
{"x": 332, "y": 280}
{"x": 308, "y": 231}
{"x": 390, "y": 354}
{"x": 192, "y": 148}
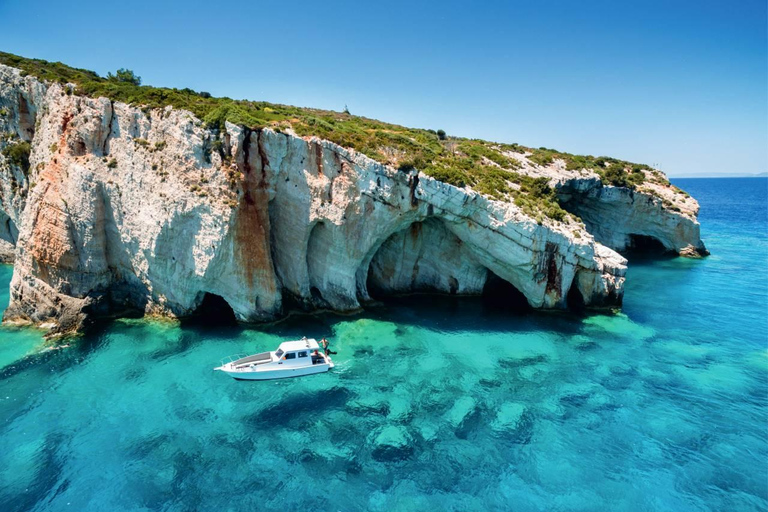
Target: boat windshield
{"x": 279, "y": 353}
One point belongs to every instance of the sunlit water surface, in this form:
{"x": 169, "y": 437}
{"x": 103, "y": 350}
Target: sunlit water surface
{"x": 433, "y": 404}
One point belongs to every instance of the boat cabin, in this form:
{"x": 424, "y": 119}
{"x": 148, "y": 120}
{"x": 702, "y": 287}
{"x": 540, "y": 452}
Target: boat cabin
{"x": 299, "y": 353}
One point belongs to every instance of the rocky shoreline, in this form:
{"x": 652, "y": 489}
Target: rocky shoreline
{"x": 120, "y": 207}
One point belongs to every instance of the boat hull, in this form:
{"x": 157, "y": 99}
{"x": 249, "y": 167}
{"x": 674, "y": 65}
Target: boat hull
{"x": 283, "y": 373}
{"x": 291, "y": 359}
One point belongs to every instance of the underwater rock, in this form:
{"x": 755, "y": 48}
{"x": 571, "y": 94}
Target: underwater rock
{"x": 366, "y": 405}
{"x": 509, "y": 417}
{"x": 399, "y": 409}
{"x": 391, "y": 443}
{"x": 464, "y": 408}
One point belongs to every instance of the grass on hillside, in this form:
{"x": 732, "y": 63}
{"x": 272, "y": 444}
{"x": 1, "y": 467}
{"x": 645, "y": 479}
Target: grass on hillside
{"x": 487, "y": 167}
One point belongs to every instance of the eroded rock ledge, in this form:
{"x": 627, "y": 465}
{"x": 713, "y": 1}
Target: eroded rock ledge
{"x": 125, "y": 209}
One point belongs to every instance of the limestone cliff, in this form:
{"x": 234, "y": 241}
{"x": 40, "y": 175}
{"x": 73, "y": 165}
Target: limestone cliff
{"x": 122, "y": 208}
{"x": 620, "y": 217}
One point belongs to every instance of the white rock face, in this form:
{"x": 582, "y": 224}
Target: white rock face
{"x": 18, "y": 112}
{"x": 426, "y": 257}
{"x": 617, "y": 216}
{"x": 123, "y": 209}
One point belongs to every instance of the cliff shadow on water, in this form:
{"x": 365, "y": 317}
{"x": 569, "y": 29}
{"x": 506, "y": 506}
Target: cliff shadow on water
{"x": 446, "y": 313}
{"x": 499, "y": 308}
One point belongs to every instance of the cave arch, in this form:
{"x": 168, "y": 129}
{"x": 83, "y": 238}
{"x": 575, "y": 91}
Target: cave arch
{"x": 501, "y": 294}
{"x": 317, "y": 253}
{"x": 575, "y": 299}
{"x": 8, "y": 230}
{"x": 645, "y": 246}
{"x": 27, "y": 116}
{"x": 423, "y": 257}
{"x": 212, "y": 310}
{"x": 363, "y": 276}
{"x": 383, "y": 268}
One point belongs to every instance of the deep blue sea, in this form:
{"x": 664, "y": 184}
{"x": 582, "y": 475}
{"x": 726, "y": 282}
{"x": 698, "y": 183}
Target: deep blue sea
{"x": 434, "y": 404}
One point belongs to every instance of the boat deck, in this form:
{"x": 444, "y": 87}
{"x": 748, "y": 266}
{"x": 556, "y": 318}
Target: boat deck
{"x": 256, "y": 358}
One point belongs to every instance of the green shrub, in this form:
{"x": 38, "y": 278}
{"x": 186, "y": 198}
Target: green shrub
{"x": 669, "y": 205}
{"x": 447, "y": 175}
{"x": 441, "y": 134}
{"x": 537, "y": 187}
{"x": 515, "y": 148}
{"x": 416, "y": 162}
{"x": 18, "y": 154}
{"x": 126, "y": 76}
{"x": 617, "y": 177}
{"x": 112, "y": 164}
{"x": 477, "y": 150}
{"x": 216, "y": 118}
{"x": 542, "y": 156}
{"x": 636, "y": 178}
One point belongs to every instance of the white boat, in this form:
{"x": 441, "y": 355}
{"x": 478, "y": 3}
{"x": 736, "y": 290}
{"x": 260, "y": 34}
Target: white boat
{"x": 291, "y": 359}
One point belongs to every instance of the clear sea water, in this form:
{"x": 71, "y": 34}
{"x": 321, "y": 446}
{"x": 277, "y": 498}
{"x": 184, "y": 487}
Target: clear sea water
{"x": 434, "y": 404}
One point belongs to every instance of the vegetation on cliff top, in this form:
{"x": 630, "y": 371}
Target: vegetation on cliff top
{"x": 490, "y": 168}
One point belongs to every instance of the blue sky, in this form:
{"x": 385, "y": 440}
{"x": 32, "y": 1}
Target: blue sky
{"x": 680, "y": 84}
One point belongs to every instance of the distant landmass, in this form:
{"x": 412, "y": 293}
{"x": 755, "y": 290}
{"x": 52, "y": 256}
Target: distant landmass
{"x": 721, "y": 175}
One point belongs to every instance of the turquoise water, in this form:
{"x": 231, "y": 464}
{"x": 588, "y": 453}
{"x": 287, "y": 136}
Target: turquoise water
{"x": 434, "y": 404}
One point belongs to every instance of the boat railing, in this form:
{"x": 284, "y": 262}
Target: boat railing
{"x": 232, "y": 358}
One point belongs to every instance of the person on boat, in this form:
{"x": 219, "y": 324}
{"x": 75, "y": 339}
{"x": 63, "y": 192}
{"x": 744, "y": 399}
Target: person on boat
{"x": 324, "y": 343}
{"x": 316, "y": 358}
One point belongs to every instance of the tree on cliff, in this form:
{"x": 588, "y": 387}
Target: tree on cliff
{"x": 124, "y": 75}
